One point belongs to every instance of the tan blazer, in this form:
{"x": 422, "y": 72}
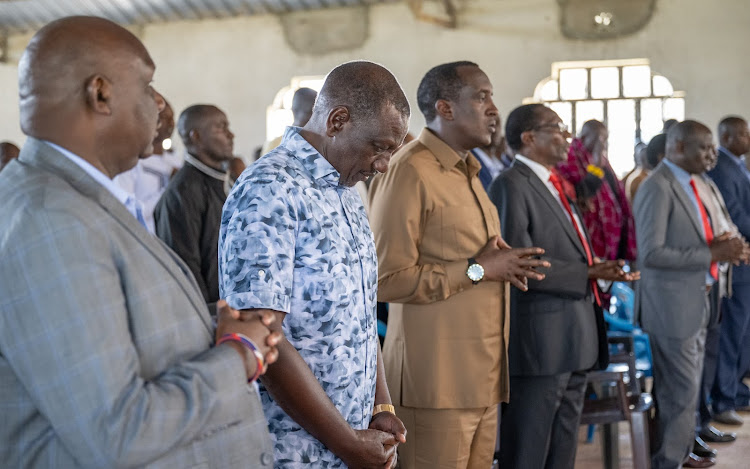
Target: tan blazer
{"x": 447, "y": 340}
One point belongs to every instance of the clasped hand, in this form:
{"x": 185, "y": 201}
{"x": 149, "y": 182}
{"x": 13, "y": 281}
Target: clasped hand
{"x": 253, "y": 324}
{"x": 502, "y": 263}
{"x": 376, "y": 446}
{"x": 728, "y": 247}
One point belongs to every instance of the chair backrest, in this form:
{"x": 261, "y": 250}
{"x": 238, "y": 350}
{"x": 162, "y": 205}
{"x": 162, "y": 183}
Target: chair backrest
{"x": 612, "y": 405}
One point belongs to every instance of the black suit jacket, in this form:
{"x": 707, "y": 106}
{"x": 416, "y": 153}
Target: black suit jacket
{"x": 555, "y": 327}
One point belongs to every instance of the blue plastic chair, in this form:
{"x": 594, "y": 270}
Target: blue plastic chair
{"x": 620, "y": 318}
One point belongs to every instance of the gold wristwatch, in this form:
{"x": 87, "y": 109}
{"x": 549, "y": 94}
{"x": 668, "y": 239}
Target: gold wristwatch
{"x": 383, "y": 408}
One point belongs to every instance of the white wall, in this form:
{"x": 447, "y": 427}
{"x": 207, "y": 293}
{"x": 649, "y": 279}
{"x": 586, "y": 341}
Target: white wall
{"x": 240, "y": 64}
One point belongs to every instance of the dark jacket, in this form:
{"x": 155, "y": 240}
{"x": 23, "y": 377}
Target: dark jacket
{"x": 555, "y": 326}
{"x": 187, "y": 218}
{"x": 732, "y": 181}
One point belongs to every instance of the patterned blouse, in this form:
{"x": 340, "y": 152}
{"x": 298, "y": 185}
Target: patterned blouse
{"x": 293, "y": 240}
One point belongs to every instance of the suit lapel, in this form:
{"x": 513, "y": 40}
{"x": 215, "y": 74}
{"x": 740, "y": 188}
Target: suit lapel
{"x": 46, "y": 157}
{"x": 683, "y": 198}
{"x": 544, "y": 194}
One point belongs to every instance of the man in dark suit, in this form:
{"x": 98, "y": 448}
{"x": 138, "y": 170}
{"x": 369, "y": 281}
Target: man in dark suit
{"x": 557, "y": 330}
{"x": 733, "y": 180}
{"x": 678, "y": 255}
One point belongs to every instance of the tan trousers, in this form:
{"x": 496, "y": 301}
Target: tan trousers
{"x": 448, "y": 438}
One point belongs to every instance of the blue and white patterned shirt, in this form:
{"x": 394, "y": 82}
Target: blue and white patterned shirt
{"x": 293, "y": 240}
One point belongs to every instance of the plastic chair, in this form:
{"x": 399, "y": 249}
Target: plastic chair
{"x": 620, "y": 318}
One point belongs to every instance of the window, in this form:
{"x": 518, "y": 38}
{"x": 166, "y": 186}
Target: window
{"x": 279, "y": 113}
{"x": 626, "y": 95}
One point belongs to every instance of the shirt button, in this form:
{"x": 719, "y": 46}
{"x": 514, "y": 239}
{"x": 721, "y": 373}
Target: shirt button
{"x": 266, "y": 459}
{"x": 261, "y": 273}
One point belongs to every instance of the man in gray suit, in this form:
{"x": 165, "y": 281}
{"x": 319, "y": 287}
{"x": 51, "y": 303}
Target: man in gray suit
{"x": 678, "y": 255}
{"x": 105, "y": 340}
{"x": 556, "y": 325}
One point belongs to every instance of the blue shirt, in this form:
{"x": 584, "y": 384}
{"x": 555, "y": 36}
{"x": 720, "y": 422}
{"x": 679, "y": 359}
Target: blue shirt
{"x": 293, "y": 240}
{"x": 684, "y": 178}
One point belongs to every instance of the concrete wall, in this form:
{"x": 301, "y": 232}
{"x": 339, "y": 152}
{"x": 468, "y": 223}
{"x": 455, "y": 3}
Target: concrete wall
{"x": 240, "y": 64}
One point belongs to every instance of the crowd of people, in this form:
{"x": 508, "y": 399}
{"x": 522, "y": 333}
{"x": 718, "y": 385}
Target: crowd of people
{"x": 158, "y": 311}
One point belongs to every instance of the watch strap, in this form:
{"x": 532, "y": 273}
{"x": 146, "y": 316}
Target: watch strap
{"x": 383, "y": 408}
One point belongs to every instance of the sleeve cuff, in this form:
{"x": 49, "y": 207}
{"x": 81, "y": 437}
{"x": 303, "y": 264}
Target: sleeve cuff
{"x": 260, "y": 299}
{"x": 458, "y": 281}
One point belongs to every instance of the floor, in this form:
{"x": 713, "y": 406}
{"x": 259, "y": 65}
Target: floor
{"x": 731, "y": 455}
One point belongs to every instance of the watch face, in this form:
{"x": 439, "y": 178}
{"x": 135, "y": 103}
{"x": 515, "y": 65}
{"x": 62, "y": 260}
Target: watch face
{"x": 475, "y": 272}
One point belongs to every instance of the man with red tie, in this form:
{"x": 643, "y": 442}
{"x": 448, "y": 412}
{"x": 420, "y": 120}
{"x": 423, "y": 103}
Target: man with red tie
{"x": 557, "y": 329}
{"x": 678, "y": 254}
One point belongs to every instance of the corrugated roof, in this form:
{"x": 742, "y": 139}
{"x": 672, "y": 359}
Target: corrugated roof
{"x": 19, "y": 16}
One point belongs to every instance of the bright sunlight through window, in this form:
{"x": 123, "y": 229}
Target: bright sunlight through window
{"x": 626, "y": 95}
{"x": 279, "y": 113}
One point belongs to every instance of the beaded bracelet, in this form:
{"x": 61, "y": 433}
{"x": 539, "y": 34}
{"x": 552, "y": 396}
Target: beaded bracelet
{"x": 245, "y": 340}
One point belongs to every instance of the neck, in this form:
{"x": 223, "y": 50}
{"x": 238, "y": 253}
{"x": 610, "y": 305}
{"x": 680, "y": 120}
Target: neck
{"x": 208, "y": 161}
{"x": 158, "y": 148}
{"x": 536, "y": 159}
{"x": 732, "y": 152}
{"x": 448, "y": 137}
{"x": 315, "y": 139}
{"x": 493, "y": 151}
{"x": 679, "y": 164}
{"x": 89, "y": 154}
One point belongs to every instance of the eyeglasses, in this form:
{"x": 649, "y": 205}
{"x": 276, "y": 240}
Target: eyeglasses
{"x": 558, "y": 125}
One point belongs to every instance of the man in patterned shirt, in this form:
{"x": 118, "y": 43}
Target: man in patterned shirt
{"x": 295, "y": 240}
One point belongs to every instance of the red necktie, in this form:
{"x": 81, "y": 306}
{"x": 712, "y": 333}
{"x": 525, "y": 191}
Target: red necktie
{"x": 555, "y": 180}
{"x": 714, "y": 269}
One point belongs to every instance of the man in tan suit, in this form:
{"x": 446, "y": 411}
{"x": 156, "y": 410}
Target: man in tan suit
{"x": 446, "y": 270}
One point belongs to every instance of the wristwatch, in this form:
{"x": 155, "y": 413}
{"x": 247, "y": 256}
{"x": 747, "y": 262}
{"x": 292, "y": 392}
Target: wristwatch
{"x": 383, "y": 408}
{"x": 475, "y": 272}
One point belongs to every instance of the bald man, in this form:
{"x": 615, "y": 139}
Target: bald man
{"x": 188, "y": 215}
{"x": 8, "y": 152}
{"x": 106, "y": 345}
{"x": 295, "y": 240}
{"x": 678, "y": 257}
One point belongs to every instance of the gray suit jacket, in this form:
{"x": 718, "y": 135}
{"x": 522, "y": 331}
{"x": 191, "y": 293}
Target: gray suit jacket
{"x": 554, "y": 326}
{"x": 673, "y": 257}
{"x": 105, "y": 340}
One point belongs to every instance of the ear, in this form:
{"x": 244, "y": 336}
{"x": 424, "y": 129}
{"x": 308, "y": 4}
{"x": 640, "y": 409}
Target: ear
{"x": 679, "y": 147}
{"x": 194, "y": 137}
{"x": 336, "y": 120}
{"x": 527, "y": 138}
{"x": 99, "y": 94}
{"x": 443, "y": 109}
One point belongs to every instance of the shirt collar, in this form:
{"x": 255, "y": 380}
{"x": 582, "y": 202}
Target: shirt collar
{"x": 538, "y": 169}
{"x": 310, "y": 158}
{"x": 447, "y": 156}
{"x": 119, "y": 193}
{"x": 683, "y": 177}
